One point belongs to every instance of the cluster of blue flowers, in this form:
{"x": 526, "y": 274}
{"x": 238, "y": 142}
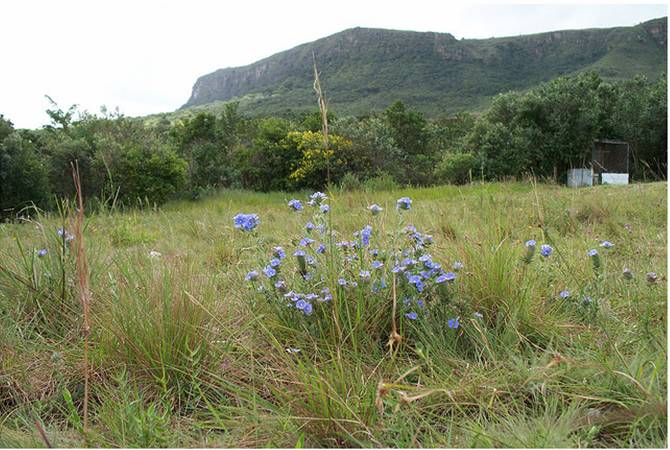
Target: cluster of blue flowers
{"x": 361, "y": 265}
{"x": 246, "y": 222}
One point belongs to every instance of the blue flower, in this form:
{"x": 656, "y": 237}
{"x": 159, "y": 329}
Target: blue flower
{"x": 279, "y": 252}
{"x": 295, "y": 205}
{"x": 377, "y": 264}
{"x": 274, "y": 262}
{"x": 309, "y": 226}
{"x": 375, "y": 209}
{"x": 564, "y": 294}
{"x": 416, "y": 281}
{"x": 304, "y": 242}
{"x": 531, "y": 243}
{"x": 404, "y": 203}
{"x": 251, "y": 276}
{"x": 545, "y": 250}
{"x": 246, "y": 222}
{"x": 281, "y": 285}
{"x": 607, "y": 244}
{"x": 307, "y": 309}
{"x": 299, "y": 253}
{"x": 316, "y": 198}
{"x": 366, "y": 232}
{"x": 65, "y": 234}
{"x": 364, "y": 274}
{"x": 327, "y": 296}
{"x": 324, "y": 208}
{"x": 457, "y": 266}
{"x": 593, "y": 252}
{"x": 411, "y": 315}
{"x": 342, "y": 282}
{"x": 321, "y": 249}
{"x": 449, "y": 276}
{"x": 310, "y": 260}
{"x": 42, "y": 252}
{"x": 374, "y": 252}
{"x": 420, "y": 303}
{"x": 453, "y": 323}
{"x": 269, "y": 272}
{"x": 353, "y": 284}
{"x": 300, "y": 304}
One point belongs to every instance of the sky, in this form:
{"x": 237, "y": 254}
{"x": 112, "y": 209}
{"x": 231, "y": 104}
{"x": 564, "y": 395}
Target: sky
{"x": 144, "y": 56}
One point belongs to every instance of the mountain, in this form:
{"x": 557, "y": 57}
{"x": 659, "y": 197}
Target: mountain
{"x": 364, "y": 69}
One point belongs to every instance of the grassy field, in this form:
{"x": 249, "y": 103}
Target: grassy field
{"x": 185, "y": 352}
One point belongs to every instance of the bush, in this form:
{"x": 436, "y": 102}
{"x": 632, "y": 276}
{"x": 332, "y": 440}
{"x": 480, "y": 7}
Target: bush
{"x": 23, "y": 175}
{"x": 382, "y": 182}
{"x": 150, "y": 174}
{"x": 456, "y": 168}
{"x": 350, "y": 182}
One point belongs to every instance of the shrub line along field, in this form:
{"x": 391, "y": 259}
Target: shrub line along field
{"x": 462, "y": 316}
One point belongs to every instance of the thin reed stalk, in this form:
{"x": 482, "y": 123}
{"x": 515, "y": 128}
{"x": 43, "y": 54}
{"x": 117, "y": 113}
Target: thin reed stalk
{"x": 84, "y": 292}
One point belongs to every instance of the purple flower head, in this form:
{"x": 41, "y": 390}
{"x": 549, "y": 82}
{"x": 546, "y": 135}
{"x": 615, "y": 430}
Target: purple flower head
{"x": 279, "y": 252}
{"x": 411, "y": 315}
{"x": 366, "y": 232}
{"x": 453, "y": 323}
{"x": 374, "y": 252}
{"x": 342, "y": 282}
{"x": 269, "y": 271}
{"x": 304, "y": 242}
{"x": 531, "y": 243}
{"x": 295, "y": 205}
{"x": 377, "y": 264}
{"x": 564, "y": 294}
{"x": 251, "y": 276}
{"x": 593, "y": 252}
{"x": 398, "y": 268}
{"x": 364, "y": 274}
{"x": 65, "y": 234}
{"x": 309, "y": 226}
{"x": 300, "y": 304}
{"x": 42, "y": 252}
{"x": 404, "y": 203}
{"x": 457, "y": 266}
{"x": 546, "y": 250}
{"x": 299, "y": 253}
{"x": 280, "y": 285}
{"x": 310, "y": 260}
{"x": 606, "y": 244}
{"x": 307, "y": 309}
{"x": 375, "y": 209}
{"x": 324, "y": 209}
{"x": 246, "y": 222}
{"x": 321, "y": 249}
{"x": 316, "y": 198}
{"x": 275, "y": 262}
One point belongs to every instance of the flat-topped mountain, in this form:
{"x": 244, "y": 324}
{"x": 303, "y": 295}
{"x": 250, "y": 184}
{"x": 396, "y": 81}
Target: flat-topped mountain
{"x": 364, "y": 69}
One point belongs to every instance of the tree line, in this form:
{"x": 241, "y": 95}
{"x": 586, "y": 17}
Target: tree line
{"x": 131, "y": 161}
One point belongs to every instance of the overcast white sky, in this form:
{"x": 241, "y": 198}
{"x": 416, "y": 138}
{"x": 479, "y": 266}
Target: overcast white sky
{"x": 144, "y": 55}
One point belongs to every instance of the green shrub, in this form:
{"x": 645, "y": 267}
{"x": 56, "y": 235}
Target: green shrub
{"x": 350, "y": 182}
{"x": 456, "y": 168}
{"x": 382, "y": 182}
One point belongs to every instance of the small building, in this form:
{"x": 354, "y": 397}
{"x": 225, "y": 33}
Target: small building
{"x": 610, "y": 161}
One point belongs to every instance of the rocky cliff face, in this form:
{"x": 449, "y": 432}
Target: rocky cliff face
{"x": 364, "y": 69}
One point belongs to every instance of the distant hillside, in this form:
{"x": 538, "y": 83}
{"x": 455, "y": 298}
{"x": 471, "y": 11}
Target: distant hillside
{"x": 366, "y": 69}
